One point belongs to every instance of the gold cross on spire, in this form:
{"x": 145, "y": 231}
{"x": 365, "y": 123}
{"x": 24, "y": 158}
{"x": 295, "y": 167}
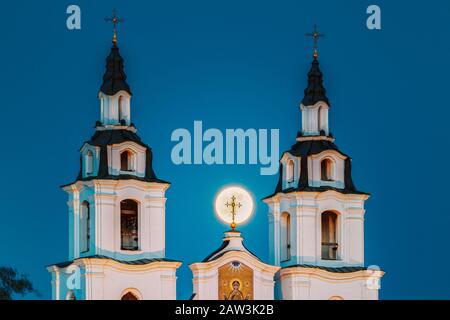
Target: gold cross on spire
{"x": 234, "y": 206}
{"x": 115, "y": 21}
{"x": 315, "y": 35}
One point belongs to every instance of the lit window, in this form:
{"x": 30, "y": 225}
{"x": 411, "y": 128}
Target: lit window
{"x": 329, "y": 236}
{"x": 121, "y": 109}
{"x": 326, "y": 167}
{"x": 84, "y": 227}
{"x": 290, "y": 171}
{"x": 89, "y": 162}
{"x": 126, "y": 161}
{"x": 319, "y": 120}
{"x": 129, "y": 225}
{"x": 285, "y": 237}
{"x": 129, "y": 296}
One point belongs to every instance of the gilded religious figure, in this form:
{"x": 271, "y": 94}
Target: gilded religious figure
{"x": 235, "y": 281}
{"x": 235, "y": 293}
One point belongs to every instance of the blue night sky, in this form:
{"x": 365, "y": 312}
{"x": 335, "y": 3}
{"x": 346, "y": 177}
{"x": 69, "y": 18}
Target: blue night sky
{"x": 232, "y": 64}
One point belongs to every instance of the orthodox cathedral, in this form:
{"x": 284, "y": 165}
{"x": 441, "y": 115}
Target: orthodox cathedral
{"x": 117, "y": 217}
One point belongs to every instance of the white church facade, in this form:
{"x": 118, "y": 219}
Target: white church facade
{"x": 316, "y": 215}
{"x": 116, "y": 210}
{"x": 117, "y": 218}
{"x": 233, "y": 273}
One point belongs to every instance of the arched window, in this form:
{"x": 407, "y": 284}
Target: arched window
{"x": 126, "y": 161}
{"x": 89, "y": 162}
{"x": 329, "y": 236}
{"x": 285, "y": 236}
{"x": 129, "y": 225}
{"x": 290, "y": 171}
{"x": 84, "y": 227}
{"x": 129, "y": 296}
{"x": 102, "y": 110}
{"x": 326, "y": 168}
{"x": 319, "y": 120}
{"x": 336, "y": 298}
{"x": 121, "y": 108}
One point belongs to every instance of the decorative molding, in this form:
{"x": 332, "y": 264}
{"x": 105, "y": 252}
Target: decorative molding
{"x": 315, "y": 138}
{"x": 327, "y": 275}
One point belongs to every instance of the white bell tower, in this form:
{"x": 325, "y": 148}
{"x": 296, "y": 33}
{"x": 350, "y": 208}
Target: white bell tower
{"x": 116, "y": 209}
{"x": 316, "y": 215}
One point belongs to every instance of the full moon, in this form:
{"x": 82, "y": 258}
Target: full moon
{"x": 243, "y": 204}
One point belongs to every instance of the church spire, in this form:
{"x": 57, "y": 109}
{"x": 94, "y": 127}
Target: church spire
{"x": 114, "y": 79}
{"x": 315, "y": 90}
